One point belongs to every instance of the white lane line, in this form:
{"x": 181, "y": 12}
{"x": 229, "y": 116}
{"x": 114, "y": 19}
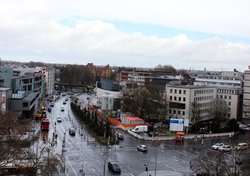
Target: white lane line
{"x": 71, "y": 166}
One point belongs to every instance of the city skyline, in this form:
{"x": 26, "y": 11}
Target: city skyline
{"x": 185, "y": 34}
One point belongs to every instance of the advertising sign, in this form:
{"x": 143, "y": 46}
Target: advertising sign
{"x": 176, "y": 124}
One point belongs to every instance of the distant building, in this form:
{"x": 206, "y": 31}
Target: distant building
{"x": 246, "y": 95}
{"x": 49, "y": 80}
{"x": 108, "y": 95}
{"x": 99, "y": 71}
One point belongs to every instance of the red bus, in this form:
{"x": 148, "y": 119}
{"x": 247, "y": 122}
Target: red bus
{"x": 45, "y": 124}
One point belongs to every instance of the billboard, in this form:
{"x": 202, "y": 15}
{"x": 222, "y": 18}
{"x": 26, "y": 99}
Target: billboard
{"x": 176, "y": 124}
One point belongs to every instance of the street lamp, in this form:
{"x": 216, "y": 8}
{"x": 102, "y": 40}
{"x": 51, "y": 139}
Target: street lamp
{"x": 146, "y": 168}
{"x": 210, "y": 132}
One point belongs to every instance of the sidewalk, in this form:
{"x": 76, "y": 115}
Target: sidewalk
{"x": 188, "y": 136}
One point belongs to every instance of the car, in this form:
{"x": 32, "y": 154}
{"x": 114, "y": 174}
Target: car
{"x": 62, "y": 108}
{"x": 119, "y": 136}
{"x": 59, "y": 119}
{"x": 52, "y": 104}
{"x": 72, "y": 132}
{"x": 142, "y": 148}
{"x": 64, "y": 102}
{"x": 217, "y": 146}
{"x": 241, "y": 146}
{"x": 66, "y": 99}
{"x": 114, "y": 167}
{"x": 225, "y": 148}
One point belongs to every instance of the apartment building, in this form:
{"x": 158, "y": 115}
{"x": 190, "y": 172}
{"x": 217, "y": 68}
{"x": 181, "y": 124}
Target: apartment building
{"x": 141, "y": 78}
{"x": 49, "y": 80}
{"x": 189, "y": 102}
{"x": 246, "y": 95}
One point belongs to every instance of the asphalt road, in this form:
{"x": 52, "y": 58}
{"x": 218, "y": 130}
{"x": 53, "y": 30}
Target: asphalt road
{"x": 83, "y": 155}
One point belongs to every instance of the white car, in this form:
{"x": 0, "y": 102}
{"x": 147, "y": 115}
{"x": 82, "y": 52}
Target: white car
{"x": 142, "y": 148}
{"x": 225, "y": 148}
{"x": 217, "y": 146}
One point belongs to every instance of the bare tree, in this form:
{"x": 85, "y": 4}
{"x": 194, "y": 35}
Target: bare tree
{"x": 214, "y": 163}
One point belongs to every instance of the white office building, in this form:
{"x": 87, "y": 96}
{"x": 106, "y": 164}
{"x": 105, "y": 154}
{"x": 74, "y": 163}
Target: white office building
{"x": 188, "y": 101}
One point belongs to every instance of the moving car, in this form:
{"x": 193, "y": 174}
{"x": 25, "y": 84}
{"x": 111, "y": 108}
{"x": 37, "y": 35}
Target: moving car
{"x": 64, "y": 102}
{"x": 114, "y": 167}
{"x": 62, "y": 108}
{"x": 217, "y": 146}
{"x": 59, "y": 119}
{"x": 225, "y": 148}
{"x": 241, "y": 146}
{"x": 142, "y": 148}
{"x": 72, "y": 132}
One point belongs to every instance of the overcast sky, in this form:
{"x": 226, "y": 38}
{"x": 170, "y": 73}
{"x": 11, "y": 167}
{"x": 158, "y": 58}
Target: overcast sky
{"x": 187, "y": 34}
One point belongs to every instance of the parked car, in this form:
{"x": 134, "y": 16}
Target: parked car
{"x": 64, "y": 102}
{"x": 217, "y": 146}
{"x": 66, "y": 99}
{"x": 114, "y": 167}
{"x": 241, "y": 146}
{"x": 72, "y": 132}
{"x": 225, "y": 148}
{"x": 62, "y": 108}
{"x": 52, "y": 104}
{"x": 142, "y": 148}
{"x": 59, "y": 119}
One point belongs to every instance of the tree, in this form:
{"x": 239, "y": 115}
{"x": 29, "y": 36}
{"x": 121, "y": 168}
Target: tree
{"x": 16, "y": 147}
{"x": 144, "y": 102}
{"x": 216, "y": 164}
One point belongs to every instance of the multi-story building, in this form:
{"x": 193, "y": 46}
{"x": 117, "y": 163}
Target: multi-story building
{"x": 228, "y": 84}
{"x": 49, "y": 80}
{"x": 141, "y": 78}
{"x": 99, "y": 71}
{"x": 246, "y": 95}
{"x": 5, "y": 96}
{"x": 26, "y": 85}
{"x": 108, "y": 95}
{"x": 189, "y": 102}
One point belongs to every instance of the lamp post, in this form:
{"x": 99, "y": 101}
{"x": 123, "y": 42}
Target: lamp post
{"x": 146, "y": 168}
{"x": 210, "y": 130}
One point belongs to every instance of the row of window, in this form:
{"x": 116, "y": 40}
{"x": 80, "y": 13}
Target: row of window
{"x": 179, "y": 98}
{"x": 226, "y": 91}
{"x": 208, "y": 91}
{"x": 225, "y": 97}
{"x": 203, "y": 98}
{"x": 174, "y": 111}
{"x": 180, "y": 91}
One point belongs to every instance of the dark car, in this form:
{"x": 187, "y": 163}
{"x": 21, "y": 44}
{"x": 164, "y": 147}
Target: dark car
{"x": 72, "y": 132}
{"x": 114, "y": 167}
{"x": 120, "y": 136}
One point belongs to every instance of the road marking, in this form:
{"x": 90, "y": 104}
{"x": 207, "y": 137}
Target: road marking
{"x": 71, "y": 166}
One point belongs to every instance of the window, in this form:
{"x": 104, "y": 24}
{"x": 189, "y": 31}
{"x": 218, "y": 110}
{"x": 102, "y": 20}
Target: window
{"x": 179, "y": 98}
{"x": 171, "y": 90}
{"x": 175, "y": 91}
{"x": 184, "y": 91}
{"x": 175, "y": 98}
{"x": 183, "y": 112}
{"x": 229, "y": 103}
{"x": 225, "y": 97}
{"x": 170, "y": 97}
{"x": 229, "y": 97}
{"x": 179, "y": 112}
{"x": 184, "y": 99}
{"x": 179, "y": 91}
